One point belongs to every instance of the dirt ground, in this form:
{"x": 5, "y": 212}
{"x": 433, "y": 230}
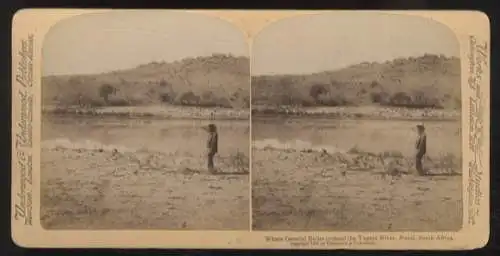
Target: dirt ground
{"x": 310, "y": 190}
{"x": 102, "y": 189}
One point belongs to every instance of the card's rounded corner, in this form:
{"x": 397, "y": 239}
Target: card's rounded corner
{"x": 18, "y": 241}
{"x": 483, "y": 16}
{"x": 20, "y": 14}
{"x": 481, "y": 241}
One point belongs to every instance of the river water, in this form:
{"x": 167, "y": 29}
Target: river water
{"x": 367, "y": 135}
{"x": 152, "y": 134}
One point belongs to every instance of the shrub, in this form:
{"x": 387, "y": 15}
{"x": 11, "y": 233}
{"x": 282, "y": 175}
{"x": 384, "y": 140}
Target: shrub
{"x": 416, "y": 99}
{"x": 189, "y": 99}
{"x": 105, "y": 91}
{"x": 246, "y": 102}
{"x": 400, "y": 99}
{"x": 118, "y": 102}
{"x": 380, "y": 97}
{"x": 317, "y": 90}
{"x": 223, "y": 102}
{"x": 167, "y": 97}
{"x": 207, "y": 96}
{"x": 333, "y": 100}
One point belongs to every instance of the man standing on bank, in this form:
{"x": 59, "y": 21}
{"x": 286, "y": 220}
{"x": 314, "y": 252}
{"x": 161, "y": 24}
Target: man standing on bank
{"x": 421, "y": 146}
{"x": 212, "y": 146}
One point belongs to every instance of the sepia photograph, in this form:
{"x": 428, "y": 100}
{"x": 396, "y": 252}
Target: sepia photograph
{"x": 239, "y": 129}
{"x": 356, "y": 124}
{"x": 145, "y": 123}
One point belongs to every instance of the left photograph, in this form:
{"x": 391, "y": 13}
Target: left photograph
{"x": 145, "y": 123}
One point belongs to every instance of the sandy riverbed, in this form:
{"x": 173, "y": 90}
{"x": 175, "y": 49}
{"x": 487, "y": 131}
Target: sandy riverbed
{"x": 101, "y": 189}
{"x": 315, "y": 190}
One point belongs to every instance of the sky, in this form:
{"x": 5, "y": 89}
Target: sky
{"x": 103, "y": 42}
{"x": 316, "y": 43}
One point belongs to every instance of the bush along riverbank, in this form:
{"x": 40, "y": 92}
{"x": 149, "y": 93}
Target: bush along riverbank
{"x": 391, "y": 113}
{"x": 171, "y": 112}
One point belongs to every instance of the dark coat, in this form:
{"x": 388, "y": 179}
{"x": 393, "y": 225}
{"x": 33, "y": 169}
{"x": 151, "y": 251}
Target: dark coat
{"x": 421, "y": 144}
{"x": 213, "y": 142}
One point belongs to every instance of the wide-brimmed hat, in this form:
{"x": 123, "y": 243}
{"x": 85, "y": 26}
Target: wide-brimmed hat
{"x": 420, "y": 126}
{"x": 212, "y": 127}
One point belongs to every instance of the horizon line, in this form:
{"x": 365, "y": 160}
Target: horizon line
{"x": 163, "y": 62}
{"x": 354, "y": 64}
{"x": 145, "y": 64}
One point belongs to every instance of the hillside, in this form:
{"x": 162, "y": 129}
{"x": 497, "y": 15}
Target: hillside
{"x": 209, "y": 81}
{"x": 429, "y": 81}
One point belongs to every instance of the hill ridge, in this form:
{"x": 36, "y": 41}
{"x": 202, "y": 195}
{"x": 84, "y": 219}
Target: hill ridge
{"x": 216, "y": 80}
{"x": 427, "y": 81}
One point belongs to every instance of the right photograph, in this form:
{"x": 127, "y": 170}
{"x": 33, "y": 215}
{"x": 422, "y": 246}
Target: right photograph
{"x": 356, "y": 124}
